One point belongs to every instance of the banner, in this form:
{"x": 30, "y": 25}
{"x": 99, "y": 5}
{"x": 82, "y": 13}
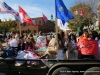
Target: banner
{"x": 88, "y": 47}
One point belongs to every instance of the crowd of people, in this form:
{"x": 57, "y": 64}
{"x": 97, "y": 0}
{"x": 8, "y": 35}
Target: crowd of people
{"x": 63, "y": 46}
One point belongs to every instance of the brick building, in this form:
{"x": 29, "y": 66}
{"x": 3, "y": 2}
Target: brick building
{"x": 43, "y": 26}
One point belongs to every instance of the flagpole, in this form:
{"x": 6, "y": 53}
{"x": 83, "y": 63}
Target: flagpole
{"x": 56, "y": 28}
{"x": 20, "y": 28}
{"x": 19, "y": 24}
{"x": 56, "y": 25}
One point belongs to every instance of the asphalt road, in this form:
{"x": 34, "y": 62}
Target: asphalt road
{"x": 5, "y": 74}
{"x": 2, "y": 73}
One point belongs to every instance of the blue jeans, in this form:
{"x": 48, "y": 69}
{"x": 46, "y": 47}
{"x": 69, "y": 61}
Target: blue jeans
{"x": 9, "y": 52}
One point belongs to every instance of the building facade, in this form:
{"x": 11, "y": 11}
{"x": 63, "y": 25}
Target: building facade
{"x": 43, "y": 26}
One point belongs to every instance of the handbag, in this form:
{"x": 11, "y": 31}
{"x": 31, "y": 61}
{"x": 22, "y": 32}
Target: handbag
{"x": 52, "y": 49}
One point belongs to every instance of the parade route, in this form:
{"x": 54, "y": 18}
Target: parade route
{"x": 2, "y": 74}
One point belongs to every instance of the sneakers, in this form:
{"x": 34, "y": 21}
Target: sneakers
{"x": 17, "y": 64}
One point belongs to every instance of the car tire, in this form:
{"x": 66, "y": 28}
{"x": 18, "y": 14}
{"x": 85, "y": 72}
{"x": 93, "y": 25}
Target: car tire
{"x": 93, "y": 71}
{"x": 62, "y": 70}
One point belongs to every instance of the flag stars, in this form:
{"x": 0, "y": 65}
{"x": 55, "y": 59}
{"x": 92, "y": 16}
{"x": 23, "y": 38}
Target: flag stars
{"x": 62, "y": 12}
{"x": 60, "y": 8}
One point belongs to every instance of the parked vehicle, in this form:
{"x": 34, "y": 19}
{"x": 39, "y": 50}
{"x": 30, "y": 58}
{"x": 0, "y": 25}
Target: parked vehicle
{"x": 51, "y": 67}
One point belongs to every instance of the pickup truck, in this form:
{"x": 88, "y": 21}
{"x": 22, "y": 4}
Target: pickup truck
{"x": 51, "y": 67}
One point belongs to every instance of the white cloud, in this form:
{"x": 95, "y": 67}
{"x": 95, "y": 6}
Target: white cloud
{"x": 36, "y": 11}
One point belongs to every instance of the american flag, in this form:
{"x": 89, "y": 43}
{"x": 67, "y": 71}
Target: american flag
{"x": 6, "y": 9}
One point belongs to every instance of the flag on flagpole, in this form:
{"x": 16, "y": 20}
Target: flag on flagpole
{"x": 61, "y": 26}
{"x": 45, "y": 18}
{"x": 62, "y": 12}
{"x": 6, "y": 9}
{"x": 24, "y": 17}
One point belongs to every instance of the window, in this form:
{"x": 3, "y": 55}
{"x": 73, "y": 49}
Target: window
{"x": 36, "y": 22}
{"x": 39, "y": 22}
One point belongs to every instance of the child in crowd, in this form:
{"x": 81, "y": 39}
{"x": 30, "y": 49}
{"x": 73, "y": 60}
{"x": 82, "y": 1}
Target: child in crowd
{"x": 71, "y": 52}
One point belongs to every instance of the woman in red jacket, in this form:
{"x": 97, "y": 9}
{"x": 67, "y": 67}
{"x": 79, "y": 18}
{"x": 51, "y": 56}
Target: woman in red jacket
{"x": 85, "y": 47}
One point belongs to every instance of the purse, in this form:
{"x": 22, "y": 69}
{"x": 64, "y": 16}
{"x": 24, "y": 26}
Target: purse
{"x": 52, "y": 50}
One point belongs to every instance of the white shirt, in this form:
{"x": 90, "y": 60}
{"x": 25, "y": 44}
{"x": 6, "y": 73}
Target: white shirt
{"x": 13, "y": 43}
{"x": 96, "y": 38}
{"x": 66, "y": 42}
{"x": 41, "y": 39}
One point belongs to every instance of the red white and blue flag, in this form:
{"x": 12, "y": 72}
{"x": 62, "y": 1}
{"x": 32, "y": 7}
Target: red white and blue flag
{"x": 6, "y": 9}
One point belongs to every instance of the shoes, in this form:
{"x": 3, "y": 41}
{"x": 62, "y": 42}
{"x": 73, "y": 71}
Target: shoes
{"x": 17, "y": 64}
{"x": 43, "y": 67}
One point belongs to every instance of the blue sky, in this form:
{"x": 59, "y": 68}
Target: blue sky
{"x": 34, "y": 8}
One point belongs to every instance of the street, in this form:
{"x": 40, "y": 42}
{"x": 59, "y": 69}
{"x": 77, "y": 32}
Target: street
{"x": 2, "y": 73}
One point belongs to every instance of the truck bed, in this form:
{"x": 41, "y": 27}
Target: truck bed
{"x": 41, "y": 68}
{"x": 9, "y": 65}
